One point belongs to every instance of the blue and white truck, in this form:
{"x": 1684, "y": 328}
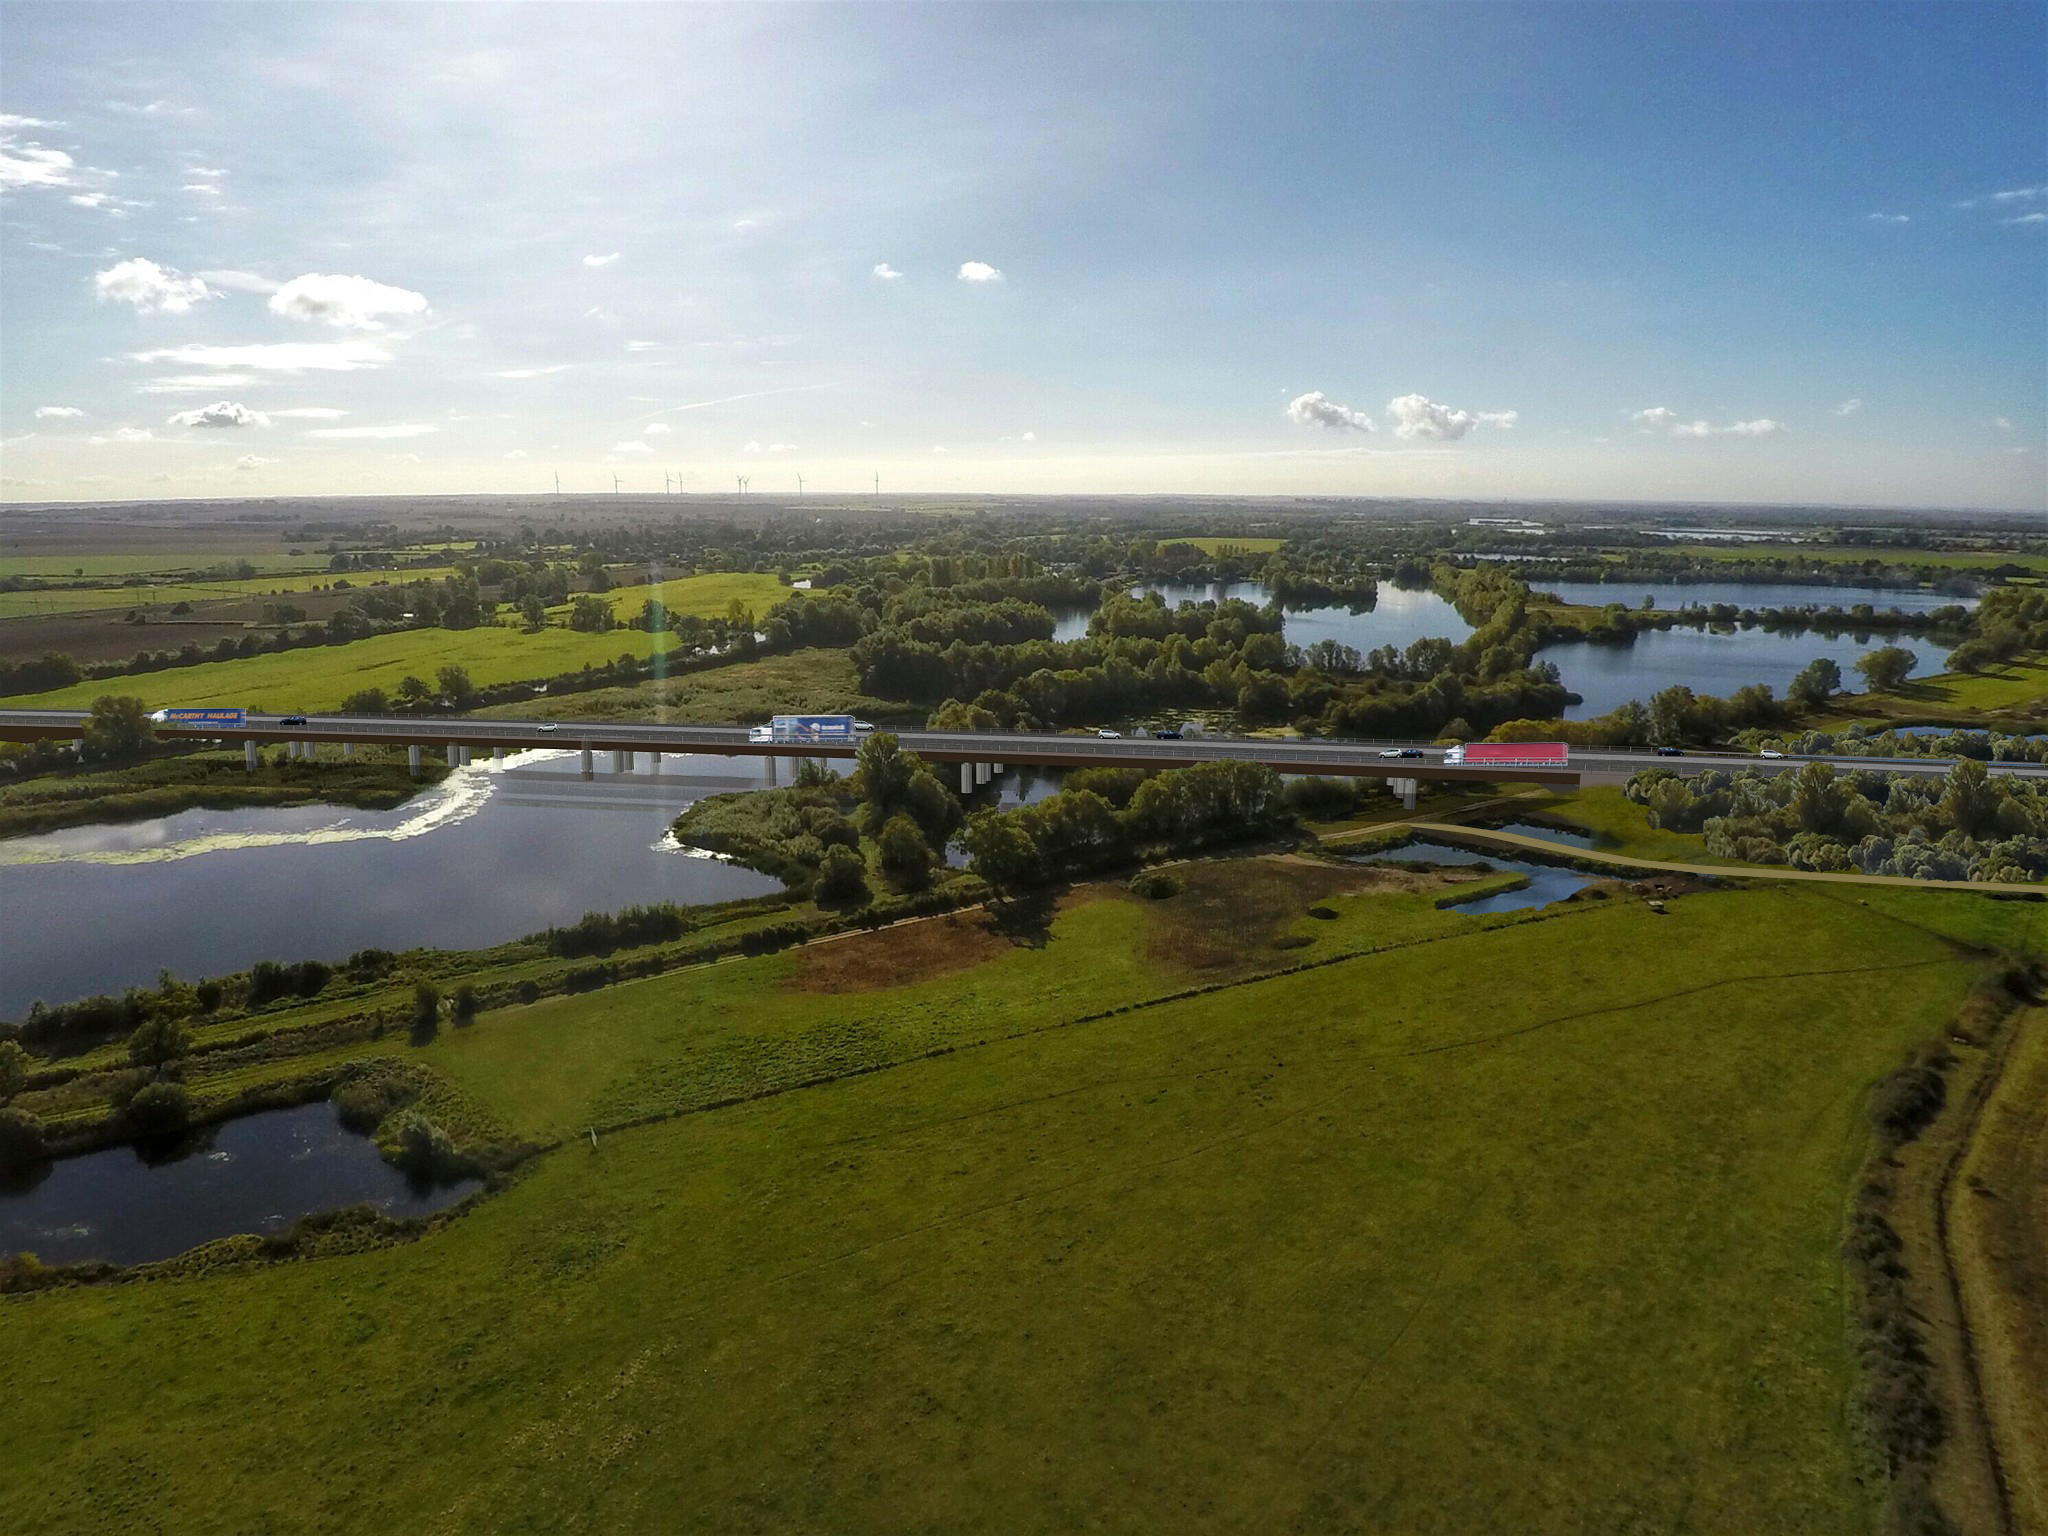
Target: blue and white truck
{"x": 807, "y": 728}
{"x": 232, "y": 719}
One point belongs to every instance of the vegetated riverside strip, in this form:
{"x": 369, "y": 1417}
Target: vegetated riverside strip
{"x": 1458, "y": 1222}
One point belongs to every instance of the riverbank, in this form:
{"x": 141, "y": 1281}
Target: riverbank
{"x": 376, "y": 780}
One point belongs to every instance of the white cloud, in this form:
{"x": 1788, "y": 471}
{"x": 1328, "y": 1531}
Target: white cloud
{"x": 1417, "y": 416}
{"x": 1028, "y": 437}
{"x": 11, "y": 122}
{"x": 310, "y": 413}
{"x": 979, "y": 272}
{"x": 204, "y": 189}
{"x": 151, "y": 109}
{"x": 644, "y": 346}
{"x": 105, "y": 202}
{"x": 751, "y": 448}
{"x": 2021, "y": 194}
{"x": 252, "y": 461}
{"x": 205, "y": 170}
{"x": 1655, "y": 416}
{"x": 1315, "y": 409}
{"x": 241, "y": 282}
{"x": 1761, "y": 427}
{"x": 393, "y": 429}
{"x": 196, "y": 383}
{"x": 124, "y": 435}
{"x": 57, "y": 412}
{"x": 517, "y": 453}
{"x": 2003, "y": 423}
{"x": 149, "y": 287}
{"x": 746, "y": 224}
{"x": 1890, "y": 218}
{"x": 782, "y": 447}
{"x": 941, "y": 448}
{"x": 28, "y": 165}
{"x": 347, "y": 303}
{"x": 656, "y": 428}
{"x": 600, "y": 261}
{"x": 2027, "y": 218}
{"x": 630, "y": 446}
{"x": 884, "y": 273}
{"x": 530, "y": 373}
{"x": 275, "y": 357}
{"x": 222, "y": 414}
{"x": 1849, "y": 407}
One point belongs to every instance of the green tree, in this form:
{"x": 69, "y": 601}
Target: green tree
{"x": 426, "y": 1011}
{"x": 1886, "y": 667}
{"x": 453, "y": 684}
{"x": 465, "y": 1005}
{"x": 1000, "y": 851}
{"x": 13, "y": 1070}
{"x": 882, "y": 772}
{"x": 117, "y": 730}
{"x": 365, "y": 701}
{"x": 158, "y": 1042}
{"x": 906, "y": 856}
{"x": 1818, "y": 681}
{"x": 1970, "y": 799}
{"x": 160, "y": 1109}
{"x": 533, "y": 612}
{"x": 411, "y": 690}
{"x": 842, "y": 875}
{"x": 590, "y": 615}
{"x": 22, "y": 1142}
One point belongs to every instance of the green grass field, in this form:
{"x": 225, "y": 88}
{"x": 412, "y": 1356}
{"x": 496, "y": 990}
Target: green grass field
{"x": 15, "y": 605}
{"x": 1507, "y": 1226}
{"x": 320, "y": 677}
{"x": 2016, "y": 686}
{"x": 707, "y": 596}
{"x": 800, "y": 682}
{"x": 146, "y": 563}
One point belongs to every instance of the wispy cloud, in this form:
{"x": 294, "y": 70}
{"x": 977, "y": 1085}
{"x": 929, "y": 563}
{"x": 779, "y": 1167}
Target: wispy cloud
{"x": 390, "y": 430}
{"x": 1849, "y": 407}
{"x": 754, "y": 394}
{"x": 1889, "y": 218}
{"x": 532, "y": 373}
{"x": 2027, "y": 218}
{"x": 57, "y": 412}
{"x": 224, "y": 415}
{"x": 346, "y": 303}
{"x": 196, "y": 383}
{"x": 274, "y": 357}
{"x": 600, "y": 261}
{"x": 310, "y": 413}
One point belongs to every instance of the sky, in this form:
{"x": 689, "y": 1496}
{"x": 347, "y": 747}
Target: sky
{"x": 1698, "y": 252}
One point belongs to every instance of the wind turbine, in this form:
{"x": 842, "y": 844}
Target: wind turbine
{"x": 799, "y": 483}
{"x": 878, "y": 485}
{"x": 558, "y": 482}
{"x": 615, "y": 483}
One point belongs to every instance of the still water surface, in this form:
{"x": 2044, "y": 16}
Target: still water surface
{"x": 1749, "y": 594}
{"x": 1713, "y": 661}
{"x": 1547, "y": 882}
{"x": 256, "y": 1174}
{"x": 490, "y": 854}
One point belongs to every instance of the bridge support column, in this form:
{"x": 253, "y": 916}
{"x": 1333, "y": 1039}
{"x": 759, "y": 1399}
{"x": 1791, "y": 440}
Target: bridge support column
{"x": 618, "y": 762}
{"x": 1405, "y": 788}
{"x": 309, "y": 750}
{"x": 465, "y": 756}
{"x": 497, "y": 754}
{"x": 412, "y": 758}
{"x": 967, "y": 778}
{"x": 980, "y": 774}
{"x": 454, "y": 756}
{"x": 588, "y": 770}
{"x": 348, "y": 749}
{"x": 774, "y": 770}
{"x": 251, "y": 756}
{"x": 654, "y": 763}
{"x": 995, "y": 768}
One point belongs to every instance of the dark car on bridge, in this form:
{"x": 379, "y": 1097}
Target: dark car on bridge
{"x": 1671, "y": 751}
{"x": 291, "y": 719}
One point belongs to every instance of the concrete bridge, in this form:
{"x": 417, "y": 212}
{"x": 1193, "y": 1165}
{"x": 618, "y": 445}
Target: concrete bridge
{"x": 978, "y": 754}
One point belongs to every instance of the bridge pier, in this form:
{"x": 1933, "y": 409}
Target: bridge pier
{"x": 588, "y": 770}
{"x": 412, "y": 758}
{"x": 967, "y": 778}
{"x": 348, "y": 749}
{"x": 497, "y": 754}
{"x": 618, "y": 762}
{"x": 1405, "y": 788}
{"x": 774, "y": 770}
{"x": 980, "y": 774}
{"x": 654, "y": 763}
{"x": 995, "y": 768}
{"x": 454, "y": 756}
{"x": 251, "y": 756}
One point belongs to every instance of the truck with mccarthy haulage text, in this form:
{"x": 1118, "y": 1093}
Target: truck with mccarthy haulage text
{"x": 232, "y": 719}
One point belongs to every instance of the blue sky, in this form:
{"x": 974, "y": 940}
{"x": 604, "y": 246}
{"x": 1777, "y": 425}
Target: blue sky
{"x": 1719, "y": 252}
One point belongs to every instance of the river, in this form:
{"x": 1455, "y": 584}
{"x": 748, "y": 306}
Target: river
{"x": 490, "y": 854}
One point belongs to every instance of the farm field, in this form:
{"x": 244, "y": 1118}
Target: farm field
{"x": 1217, "y": 546}
{"x": 707, "y": 596}
{"x": 93, "y": 599}
{"x": 803, "y": 682}
{"x": 320, "y": 677}
{"x": 55, "y": 567}
{"x": 1254, "y": 1258}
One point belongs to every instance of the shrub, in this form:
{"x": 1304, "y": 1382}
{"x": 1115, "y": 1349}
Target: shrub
{"x": 527, "y": 991}
{"x": 21, "y": 1139}
{"x": 906, "y": 856}
{"x": 13, "y": 1070}
{"x": 426, "y": 1012}
{"x": 423, "y": 1149}
{"x": 369, "y": 964}
{"x": 209, "y": 995}
{"x": 586, "y": 978}
{"x": 464, "y": 1008}
{"x": 362, "y": 1103}
{"x": 1156, "y": 884}
{"x": 158, "y": 1042}
{"x": 160, "y": 1109}
{"x": 1906, "y": 1101}
{"x": 842, "y": 876}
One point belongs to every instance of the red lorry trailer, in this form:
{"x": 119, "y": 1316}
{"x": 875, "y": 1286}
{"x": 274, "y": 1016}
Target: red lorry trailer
{"x": 1509, "y": 754}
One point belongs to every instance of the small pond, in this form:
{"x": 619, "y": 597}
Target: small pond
{"x": 1547, "y": 882}
{"x": 1557, "y": 835}
{"x": 492, "y": 853}
{"x": 257, "y": 1174}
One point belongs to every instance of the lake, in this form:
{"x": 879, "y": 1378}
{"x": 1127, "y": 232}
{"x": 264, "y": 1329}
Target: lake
{"x": 1711, "y": 661}
{"x": 1749, "y": 594}
{"x": 492, "y": 853}
{"x": 1398, "y": 619}
{"x": 257, "y": 1174}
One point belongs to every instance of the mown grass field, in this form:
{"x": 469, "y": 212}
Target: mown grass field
{"x": 320, "y": 677}
{"x": 2015, "y": 686}
{"x": 707, "y": 597}
{"x": 1495, "y": 1229}
{"x": 148, "y": 562}
{"x": 1216, "y": 546}
{"x": 14, "y": 605}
